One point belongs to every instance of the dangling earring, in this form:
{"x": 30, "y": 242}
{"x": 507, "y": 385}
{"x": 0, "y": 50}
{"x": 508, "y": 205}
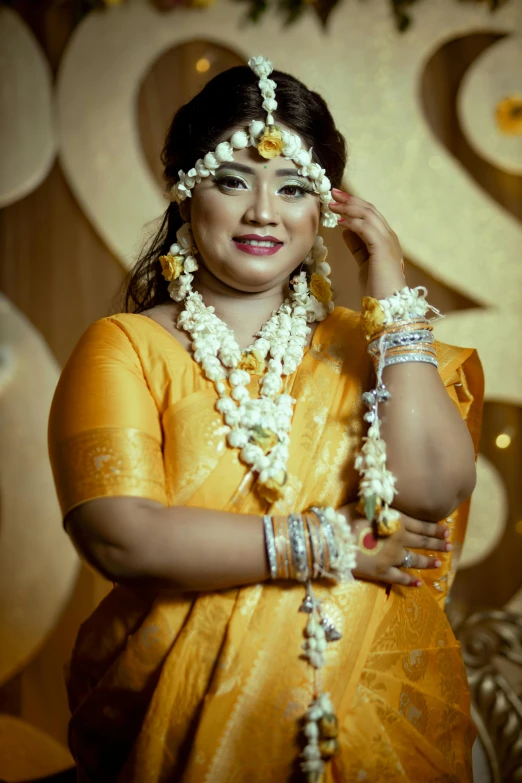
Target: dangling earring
{"x": 179, "y": 264}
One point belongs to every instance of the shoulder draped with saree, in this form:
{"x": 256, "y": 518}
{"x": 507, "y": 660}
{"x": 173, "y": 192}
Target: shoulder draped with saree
{"x": 209, "y": 687}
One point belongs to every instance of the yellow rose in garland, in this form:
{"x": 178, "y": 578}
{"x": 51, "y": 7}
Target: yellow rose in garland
{"x": 388, "y": 523}
{"x": 271, "y": 143}
{"x": 273, "y": 488}
{"x": 252, "y": 362}
{"x": 171, "y": 266}
{"x": 264, "y": 438}
{"x": 320, "y": 288}
{"x": 372, "y": 315}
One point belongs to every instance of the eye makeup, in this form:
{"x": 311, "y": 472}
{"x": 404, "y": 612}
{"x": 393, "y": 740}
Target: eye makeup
{"x": 302, "y": 185}
{"x": 231, "y": 180}
{"x": 225, "y": 180}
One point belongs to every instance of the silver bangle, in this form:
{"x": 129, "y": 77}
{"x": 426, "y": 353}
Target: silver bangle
{"x": 296, "y": 535}
{"x": 403, "y": 338}
{"x": 317, "y": 550}
{"x": 270, "y": 545}
{"x": 419, "y": 349}
{"x": 328, "y": 533}
{"x": 411, "y": 357}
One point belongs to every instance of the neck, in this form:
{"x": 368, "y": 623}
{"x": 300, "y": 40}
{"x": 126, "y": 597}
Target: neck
{"x": 243, "y": 312}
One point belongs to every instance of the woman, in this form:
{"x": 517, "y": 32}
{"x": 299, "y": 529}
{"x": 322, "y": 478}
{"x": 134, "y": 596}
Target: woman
{"x": 190, "y": 669}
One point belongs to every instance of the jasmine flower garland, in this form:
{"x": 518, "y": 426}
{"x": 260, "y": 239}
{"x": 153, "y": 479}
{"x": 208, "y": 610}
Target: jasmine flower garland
{"x": 259, "y": 427}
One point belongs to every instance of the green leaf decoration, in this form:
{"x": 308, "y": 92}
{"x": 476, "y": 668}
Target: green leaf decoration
{"x": 291, "y": 10}
{"x": 260, "y": 431}
{"x": 370, "y": 504}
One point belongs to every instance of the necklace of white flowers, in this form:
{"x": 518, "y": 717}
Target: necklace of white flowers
{"x": 259, "y": 427}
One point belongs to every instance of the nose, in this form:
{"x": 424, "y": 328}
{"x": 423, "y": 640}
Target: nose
{"x": 263, "y": 208}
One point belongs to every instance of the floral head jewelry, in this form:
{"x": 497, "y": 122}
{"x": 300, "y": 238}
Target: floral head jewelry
{"x": 270, "y": 141}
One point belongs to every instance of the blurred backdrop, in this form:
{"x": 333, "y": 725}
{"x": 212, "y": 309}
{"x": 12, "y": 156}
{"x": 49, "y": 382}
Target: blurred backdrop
{"x": 429, "y": 97}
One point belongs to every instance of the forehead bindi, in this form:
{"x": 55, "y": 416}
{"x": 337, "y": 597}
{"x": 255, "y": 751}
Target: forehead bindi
{"x": 249, "y": 158}
{"x": 249, "y": 162}
{"x": 248, "y": 169}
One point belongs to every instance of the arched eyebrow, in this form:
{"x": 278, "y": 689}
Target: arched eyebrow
{"x": 248, "y": 170}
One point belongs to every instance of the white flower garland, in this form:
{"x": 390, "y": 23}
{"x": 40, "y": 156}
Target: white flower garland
{"x": 280, "y": 343}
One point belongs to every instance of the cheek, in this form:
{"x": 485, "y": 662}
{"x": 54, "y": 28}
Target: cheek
{"x": 211, "y": 216}
{"x": 304, "y": 222}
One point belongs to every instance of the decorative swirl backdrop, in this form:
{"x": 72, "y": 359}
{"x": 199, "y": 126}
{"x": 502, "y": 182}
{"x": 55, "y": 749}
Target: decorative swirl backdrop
{"x": 418, "y": 110}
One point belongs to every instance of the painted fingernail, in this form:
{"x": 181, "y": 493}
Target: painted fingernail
{"x": 418, "y": 583}
{"x": 447, "y": 533}
{"x": 448, "y": 547}
{"x": 340, "y": 219}
{"x": 436, "y": 564}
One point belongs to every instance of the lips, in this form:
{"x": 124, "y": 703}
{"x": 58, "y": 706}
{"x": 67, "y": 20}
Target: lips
{"x": 259, "y": 238}
{"x": 245, "y": 246}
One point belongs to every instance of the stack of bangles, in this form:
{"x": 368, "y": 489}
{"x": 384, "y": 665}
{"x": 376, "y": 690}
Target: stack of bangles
{"x": 301, "y": 546}
{"x": 403, "y": 341}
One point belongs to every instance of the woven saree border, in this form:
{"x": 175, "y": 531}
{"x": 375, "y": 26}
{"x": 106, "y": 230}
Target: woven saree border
{"x": 108, "y": 461}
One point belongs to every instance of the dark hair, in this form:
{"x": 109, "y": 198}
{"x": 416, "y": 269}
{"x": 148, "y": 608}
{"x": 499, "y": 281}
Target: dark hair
{"x": 231, "y": 99}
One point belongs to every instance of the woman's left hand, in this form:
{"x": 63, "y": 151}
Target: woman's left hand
{"x": 383, "y": 562}
{"x": 372, "y": 242}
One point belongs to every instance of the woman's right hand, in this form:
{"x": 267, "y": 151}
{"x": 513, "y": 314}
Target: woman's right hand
{"x": 379, "y": 560}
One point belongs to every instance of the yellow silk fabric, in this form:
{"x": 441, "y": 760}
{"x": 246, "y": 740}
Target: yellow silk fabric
{"x": 209, "y": 687}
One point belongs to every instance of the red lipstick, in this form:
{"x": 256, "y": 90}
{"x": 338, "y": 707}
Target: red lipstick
{"x": 256, "y": 250}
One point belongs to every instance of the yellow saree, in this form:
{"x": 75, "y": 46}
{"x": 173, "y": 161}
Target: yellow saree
{"x": 209, "y": 687}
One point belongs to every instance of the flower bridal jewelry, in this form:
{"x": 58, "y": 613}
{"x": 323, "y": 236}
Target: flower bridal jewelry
{"x": 259, "y": 427}
{"x": 317, "y": 543}
{"x": 270, "y": 141}
{"x": 397, "y": 331}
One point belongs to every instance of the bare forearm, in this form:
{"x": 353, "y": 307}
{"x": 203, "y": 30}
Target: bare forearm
{"x": 176, "y": 548}
{"x": 428, "y": 445}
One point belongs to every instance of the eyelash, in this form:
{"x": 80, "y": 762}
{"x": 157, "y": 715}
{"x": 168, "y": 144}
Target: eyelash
{"x": 296, "y": 186}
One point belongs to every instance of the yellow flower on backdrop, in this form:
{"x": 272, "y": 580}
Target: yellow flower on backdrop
{"x": 509, "y": 115}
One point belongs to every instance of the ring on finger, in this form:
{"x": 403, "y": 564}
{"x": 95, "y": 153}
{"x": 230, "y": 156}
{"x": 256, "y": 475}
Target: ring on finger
{"x": 407, "y": 560}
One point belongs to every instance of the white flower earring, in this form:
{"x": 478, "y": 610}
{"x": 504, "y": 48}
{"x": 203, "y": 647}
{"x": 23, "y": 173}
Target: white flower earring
{"x": 312, "y": 286}
{"x": 180, "y": 263}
